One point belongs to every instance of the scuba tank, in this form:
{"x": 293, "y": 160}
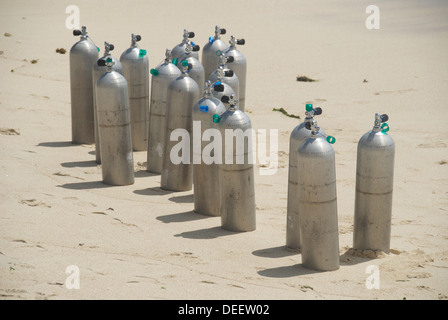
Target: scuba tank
{"x": 212, "y": 50}
{"x": 182, "y": 94}
{"x": 236, "y": 177}
{"x": 374, "y": 187}
{"x": 317, "y": 200}
{"x": 298, "y": 136}
{"x": 97, "y": 73}
{"x": 83, "y": 55}
{"x": 161, "y": 78}
{"x": 239, "y": 66}
{"x": 136, "y": 71}
{"x": 205, "y": 174}
{"x": 197, "y": 70}
{"x": 179, "y": 50}
{"x": 112, "y": 100}
{"x": 229, "y": 78}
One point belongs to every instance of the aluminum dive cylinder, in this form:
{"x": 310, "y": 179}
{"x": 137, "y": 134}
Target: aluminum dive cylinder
{"x": 205, "y": 170}
{"x": 83, "y": 56}
{"x": 197, "y": 70}
{"x": 236, "y": 173}
{"x": 230, "y": 76}
{"x": 136, "y": 71}
{"x": 212, "y": 50}
{"x": 239, "y": 66}
{"x": 112, "y": 100}
{"x": 177, "y": 174}
{"x": 374, "y": 188}
{"x": 97, "y": 73}
{"x": 317, "y": 197}
{"x": 220, "y": 87}
{"x": 179, "y": 50}
{"x": 161, "y": 78}
{"x": 298, "y": 136}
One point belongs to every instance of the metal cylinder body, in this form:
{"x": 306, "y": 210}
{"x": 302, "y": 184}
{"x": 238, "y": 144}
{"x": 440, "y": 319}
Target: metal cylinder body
{"x": 318, "y": 205}
{"x": 236, "y": 180}
{"x": 114, "y": 129}
{"x": 136, "y": 71}
{"x": 182, "y": 94}
{"x": 299, "y": 134}
{"x": 239, "y": 67}
{"x": 374, "y": 187}
{"x": 166, "y": 73}
{"x": 205, "y": 175}
{"x": 197, "y": 70}
{"x": 210, "y": 58}
{"x": 83, "y": 56}
{"x": 97, "y": 72}
{"x": 232, "y": 81}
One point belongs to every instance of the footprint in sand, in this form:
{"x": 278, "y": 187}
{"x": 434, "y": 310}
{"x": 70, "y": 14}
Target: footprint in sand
{"x": 9, "y": 132}
{"x": 434, "y": 144}
{"x": 34, "y": 203}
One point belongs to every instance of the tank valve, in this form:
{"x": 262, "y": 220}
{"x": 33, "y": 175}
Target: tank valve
{"x": 380, "y": 123}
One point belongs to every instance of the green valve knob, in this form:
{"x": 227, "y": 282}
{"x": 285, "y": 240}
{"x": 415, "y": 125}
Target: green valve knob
{"x": 184, "y": 63}
{"x": 384, "y": 128}
{"x": 154, "y": 72}
{"x": 142, "y": 52}
{"x": 175, "y": 61}
{"x": 98, "y": 49}
{"x": 108, "y": 60}
{"x": 331, "y": 139}
{"x": 216, "y": 118}
{"x": 218, "y": 53}
{"x": 309, "y": 107}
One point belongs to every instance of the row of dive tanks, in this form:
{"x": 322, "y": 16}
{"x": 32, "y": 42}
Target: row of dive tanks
{"x": 113, "y": 108}
{"x": 117, "y": 107}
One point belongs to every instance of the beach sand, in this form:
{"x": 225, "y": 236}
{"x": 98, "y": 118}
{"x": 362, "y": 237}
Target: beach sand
{"x": 140, "y": 242}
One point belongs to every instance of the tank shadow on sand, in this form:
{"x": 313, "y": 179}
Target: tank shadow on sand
{"x": 155, "y": 191}
{"x": 79, "y": 164}
{"x": 276, "y": 252}
{"x": 182, "y": 217}
{"x": 286, "y": 271}
{"x": 205, "y": 234}
{"x": 189, "y": 198}
{"x": 57, "y": 144}
{"x": 86, "y": 185}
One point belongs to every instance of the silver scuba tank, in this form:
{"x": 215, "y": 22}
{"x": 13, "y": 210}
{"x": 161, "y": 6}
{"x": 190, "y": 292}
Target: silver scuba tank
{"x": 179, "y": 50}
{"x": 97, "y": 73}
{"x": 83, "y": 56}
{"x": 205, "y": 172}
{"x": 136, "y": 71}
{"x": 182, "y": 94}
{"x": 212, "y": 50}
{"x": 239, "y": 66}
{"x": 298, "y": 136}
{"x": 374, "y": 187}
{"x": 220, "y": 88}
{"x": 161, "y": 78}
{"x": 112, "y": 100}
{"x": 317, "y": 196}
{"x": 197, "y": 70}
{"x": 230, "y": 77}
{"x": 236, "y": 173}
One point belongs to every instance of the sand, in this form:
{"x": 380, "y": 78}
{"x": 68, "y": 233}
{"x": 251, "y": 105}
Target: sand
{"x": 140, "y": 242}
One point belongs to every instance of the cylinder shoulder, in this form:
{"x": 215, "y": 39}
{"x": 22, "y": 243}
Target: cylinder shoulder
{"x": 315, "y": 146}
{"x": 374, "y": 139}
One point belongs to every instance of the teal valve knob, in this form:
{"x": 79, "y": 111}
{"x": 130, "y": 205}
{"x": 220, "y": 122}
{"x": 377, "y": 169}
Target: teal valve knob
{"x": 154, "y": 72}
{"x": 216, "y": 118}
{"x": 384, "y": 128}
{"x": 309, "y": 107}
{"x": 97, "y": 48}
{"x": 331, "y": 139}
{"x": 218, "y": 53}
{"x": 108, "y": 60}
{"x": 184, "y": 63}
{"x": 142, "y": 52}
{"x": 175, "y": 61}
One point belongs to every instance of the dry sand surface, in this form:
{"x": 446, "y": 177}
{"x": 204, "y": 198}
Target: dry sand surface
{"x": 140, "y": 242}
